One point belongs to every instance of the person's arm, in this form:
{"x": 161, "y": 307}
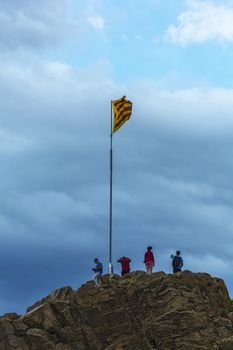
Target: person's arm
{"x": 98, "y": 267}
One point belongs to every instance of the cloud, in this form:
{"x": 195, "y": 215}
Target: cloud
{"x": 97, "y": 22}
{"x": 202, "y": 21}
{"x": 54, "y": 24}
{"x": 172, "y": 176}
{"x": 172, "y": 164}
{"x": 22, "y": 25}
{"x": 13, "y": 143}
{"x": 210, "y": 262}
{"x": 49, "y": 203}
{"x": 202, "y": 111}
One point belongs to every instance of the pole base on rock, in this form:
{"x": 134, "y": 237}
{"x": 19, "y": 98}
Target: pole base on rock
{"x": 110, "y": 269}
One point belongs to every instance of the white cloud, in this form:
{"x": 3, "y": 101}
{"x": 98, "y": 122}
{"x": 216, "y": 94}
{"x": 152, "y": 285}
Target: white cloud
{"x": 24, "y": 24}
{"x": 202, "y": 21}
{"x": 212, "y": 264}
{"x": 97, "y": 22}
{"x": 199, "y": 111}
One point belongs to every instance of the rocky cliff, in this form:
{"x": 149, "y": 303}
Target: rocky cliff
{"x": 186, "y": 311}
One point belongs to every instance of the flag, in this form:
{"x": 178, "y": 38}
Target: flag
{"x": 122, "y": 109}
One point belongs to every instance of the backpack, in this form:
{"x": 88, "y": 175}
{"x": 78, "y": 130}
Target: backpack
{"x": 176, "y": 262}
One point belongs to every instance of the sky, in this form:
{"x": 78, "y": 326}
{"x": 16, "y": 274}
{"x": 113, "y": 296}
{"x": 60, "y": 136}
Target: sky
{"x": 61, "y": 64}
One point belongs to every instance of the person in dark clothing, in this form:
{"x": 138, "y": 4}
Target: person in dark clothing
{"x": 177, "y": 262}
{"x": 125, "y": 265}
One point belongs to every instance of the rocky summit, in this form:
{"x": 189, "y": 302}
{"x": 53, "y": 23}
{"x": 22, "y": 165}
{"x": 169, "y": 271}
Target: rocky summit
{"x": 185, "y": 311}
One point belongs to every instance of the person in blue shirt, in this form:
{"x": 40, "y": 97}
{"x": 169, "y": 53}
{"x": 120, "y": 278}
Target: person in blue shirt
{"x": 98, "y": 269}
{"x": 177, "y": 262}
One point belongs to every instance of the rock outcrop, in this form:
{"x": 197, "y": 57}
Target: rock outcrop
{"x": 185, "y": 311}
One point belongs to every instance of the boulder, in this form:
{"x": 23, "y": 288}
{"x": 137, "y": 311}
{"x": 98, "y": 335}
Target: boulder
{"x": 185, "y": 311}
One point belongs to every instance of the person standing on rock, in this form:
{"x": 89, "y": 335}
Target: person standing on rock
{"x": 125, "y": 265}
{"x": 149, "y": 260}
{"x": 177, "y": 262}
{"x": 98, "y": 269}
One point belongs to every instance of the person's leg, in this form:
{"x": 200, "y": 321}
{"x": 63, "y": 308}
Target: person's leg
{"x": 124, "y": 272}
{"x": 175, "y": 270}
{"x": 95, "y": 278}
{"x": 98, "y": 279}
{"x": 147, "y": 269}
{"x": 151, "y": 268}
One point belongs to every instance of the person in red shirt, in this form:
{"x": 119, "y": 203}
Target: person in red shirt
{"x": 149, "y": 260}
{"x": 125, "y": 267}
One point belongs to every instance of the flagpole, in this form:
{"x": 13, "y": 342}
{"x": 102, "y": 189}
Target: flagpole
{"x": 110, "y": 266}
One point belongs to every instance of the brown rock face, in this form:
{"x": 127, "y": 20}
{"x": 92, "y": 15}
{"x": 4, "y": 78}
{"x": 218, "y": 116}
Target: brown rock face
{"x": 186, "y": 311}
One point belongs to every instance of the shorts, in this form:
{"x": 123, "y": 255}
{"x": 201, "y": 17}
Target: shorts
{"x": 123, "y": 272}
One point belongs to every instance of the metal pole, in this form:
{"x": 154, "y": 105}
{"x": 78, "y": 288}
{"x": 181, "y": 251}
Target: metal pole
{"x": 110, "y": 266}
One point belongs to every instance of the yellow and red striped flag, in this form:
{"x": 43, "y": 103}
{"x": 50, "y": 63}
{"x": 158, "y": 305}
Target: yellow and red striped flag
{"x": 122, "y": 111}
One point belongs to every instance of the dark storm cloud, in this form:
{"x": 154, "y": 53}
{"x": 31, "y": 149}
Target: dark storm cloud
{"x": 173, "y": 167}
{"x": 179, "y": 189}
{"x": 54, "y": 161}
{"x": 172, "y": 180}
